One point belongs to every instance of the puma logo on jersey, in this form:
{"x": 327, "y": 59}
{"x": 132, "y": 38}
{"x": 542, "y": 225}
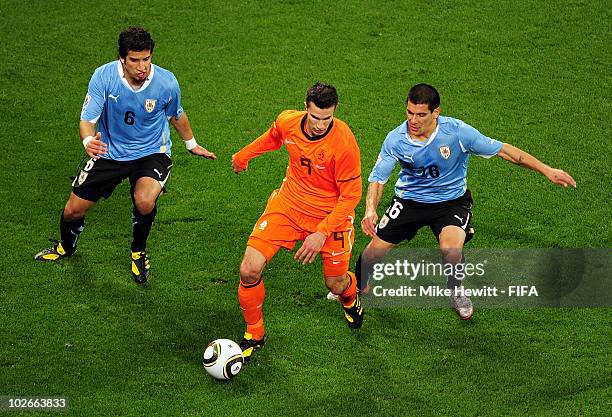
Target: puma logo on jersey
{"x": 114, "y": 97}
{"x": 86, "y": 101}
{"x": 409, "y": 158}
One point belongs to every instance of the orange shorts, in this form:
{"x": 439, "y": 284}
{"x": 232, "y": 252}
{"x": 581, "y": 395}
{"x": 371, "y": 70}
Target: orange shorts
{"x": 281, "y": 226}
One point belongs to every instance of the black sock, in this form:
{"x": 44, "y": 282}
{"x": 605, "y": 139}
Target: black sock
{"x": 141, "y": 228}
{"x": 455, "y": 280}
{"x": 70, "y": 232}
{"x": 363, "y": 272}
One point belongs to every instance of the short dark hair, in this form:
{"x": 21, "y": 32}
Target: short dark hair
{"x": 424, "y": 94}
{"x": 136, "y": 39}
{"x": 322, "y": 95}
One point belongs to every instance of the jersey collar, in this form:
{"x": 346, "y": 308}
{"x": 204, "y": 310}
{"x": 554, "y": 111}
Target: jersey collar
{"x": 124, "y": 81}
{"x": 316, "y": 137}
{"x": 416, "y": 142}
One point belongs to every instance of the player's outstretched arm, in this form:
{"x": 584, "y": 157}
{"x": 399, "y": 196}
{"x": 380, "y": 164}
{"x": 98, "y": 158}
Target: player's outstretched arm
{"x": 183, "y": 127}
{"x": 519, "y": 157}
{"x": 368, "y": 223}
{"x": 271, "y": 140}
{"x": 92, "y": 141}
{"x": 236, "y": 167}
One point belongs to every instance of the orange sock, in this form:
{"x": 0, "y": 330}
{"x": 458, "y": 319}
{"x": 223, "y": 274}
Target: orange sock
{"x": 251, "y": 297}
{"x": 348, "y": 296}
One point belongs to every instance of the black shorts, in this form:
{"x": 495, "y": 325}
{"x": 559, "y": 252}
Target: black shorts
{"x": 403, "y": 219}
{"x": 99, "y": 178}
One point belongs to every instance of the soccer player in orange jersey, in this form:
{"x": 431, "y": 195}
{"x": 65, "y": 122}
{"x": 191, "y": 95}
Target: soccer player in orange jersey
{"x": 315, "y": 204}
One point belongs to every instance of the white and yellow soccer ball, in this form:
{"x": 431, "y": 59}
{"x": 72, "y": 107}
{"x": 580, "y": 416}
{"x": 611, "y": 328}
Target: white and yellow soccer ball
{"x": 223, "y": 359}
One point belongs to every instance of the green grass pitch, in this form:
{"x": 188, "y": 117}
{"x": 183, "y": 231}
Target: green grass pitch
{"x": 535, "y": 74}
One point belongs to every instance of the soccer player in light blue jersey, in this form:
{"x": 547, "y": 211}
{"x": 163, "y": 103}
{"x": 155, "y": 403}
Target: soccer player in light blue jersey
{"x": 431, "y": 190}
{"x": 132, "y": 103}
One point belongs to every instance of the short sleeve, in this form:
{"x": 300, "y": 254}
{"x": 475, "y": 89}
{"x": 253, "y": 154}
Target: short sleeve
{"x": 474, "y": 142}
{"x": 174, "y": 107}
{"x": 94, "y": 99}
{"x": 385, "y": 163}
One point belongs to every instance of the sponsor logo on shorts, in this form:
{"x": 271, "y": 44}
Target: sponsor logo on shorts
{"x": 383, "y": 222}
{"x": 334, "y": 253}
{"x": 82, "y": 177}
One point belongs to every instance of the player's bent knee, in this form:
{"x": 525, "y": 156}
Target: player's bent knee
{"x": 376, "y": 250}
{"x": 452, "y": 255}
{"x": 252, "y": 265}
{"x": 451, "y": 237}
{"x": 369, "y": 255}
{"x": 70, "y": 214}
{"x": 373, "y": 254}
{"x": 144, "y": 206}
{"x": 73, "y": 212}
{"x": 337, "y": 284}
{"x": 249, "y": 273}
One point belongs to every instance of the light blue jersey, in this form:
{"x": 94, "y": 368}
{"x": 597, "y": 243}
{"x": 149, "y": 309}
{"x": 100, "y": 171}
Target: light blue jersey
{"x": 133, "y": 123}
{"x": 435, "y": 170}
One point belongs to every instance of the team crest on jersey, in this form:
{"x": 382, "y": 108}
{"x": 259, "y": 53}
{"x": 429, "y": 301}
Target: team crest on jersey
{"x": 445, "y": 151}
{"x": 321, "y": 154}
{"x": 150, "y": 105}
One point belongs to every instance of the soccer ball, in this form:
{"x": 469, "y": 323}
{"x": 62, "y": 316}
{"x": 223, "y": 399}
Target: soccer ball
{"x": 223, "y": 359}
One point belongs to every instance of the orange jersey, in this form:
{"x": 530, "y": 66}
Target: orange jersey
{"x": 324, "y": 174}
